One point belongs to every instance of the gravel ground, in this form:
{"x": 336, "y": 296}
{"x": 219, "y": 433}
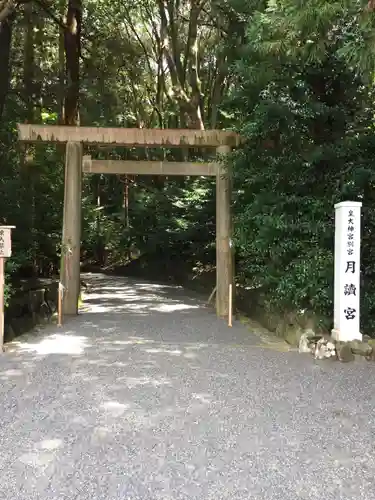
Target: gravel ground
{"x": 146, "y": 395}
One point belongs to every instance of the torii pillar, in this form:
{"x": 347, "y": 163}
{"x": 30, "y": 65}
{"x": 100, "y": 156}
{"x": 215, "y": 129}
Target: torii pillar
{"x": 224, "y": 258}
{"x": 71, "y": 233}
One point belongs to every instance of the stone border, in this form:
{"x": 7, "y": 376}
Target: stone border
{"x": 324, "y": 347}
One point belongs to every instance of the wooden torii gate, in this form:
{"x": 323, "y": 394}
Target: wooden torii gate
{"x": 75, "y": 163}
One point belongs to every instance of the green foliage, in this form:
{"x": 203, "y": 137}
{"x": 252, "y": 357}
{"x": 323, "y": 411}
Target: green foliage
{"x": 297, "y": 81}
{"x": 168, "y": 216}
{"x": 310, "y": 29}
{"x": 308, "y": 121}
{"x": 123, "y": 83}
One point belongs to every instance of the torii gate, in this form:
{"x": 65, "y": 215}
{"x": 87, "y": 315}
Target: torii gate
{"x": 75, "y": 163}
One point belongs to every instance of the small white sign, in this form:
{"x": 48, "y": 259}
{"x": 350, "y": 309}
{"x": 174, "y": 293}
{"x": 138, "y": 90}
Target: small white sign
{"x": 347, "y": 271}
{"x": 6, "y": 241}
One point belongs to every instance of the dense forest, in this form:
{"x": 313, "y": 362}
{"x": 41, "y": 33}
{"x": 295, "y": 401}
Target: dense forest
{"x": 294, "y": 78}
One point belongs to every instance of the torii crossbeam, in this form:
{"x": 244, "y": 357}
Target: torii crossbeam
{"x": 76, "y": 137}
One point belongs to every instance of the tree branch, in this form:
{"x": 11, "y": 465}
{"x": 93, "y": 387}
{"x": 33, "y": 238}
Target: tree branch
{"x": 50, "y": 14}
{"x": 6, "y": 9}
{"x": 139, "y": 40}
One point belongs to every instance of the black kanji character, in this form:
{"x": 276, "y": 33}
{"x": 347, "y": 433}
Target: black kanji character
{"x": 350, "y": 289}
{"x": 349, "y": 313}
{"x": 350, "y": 266}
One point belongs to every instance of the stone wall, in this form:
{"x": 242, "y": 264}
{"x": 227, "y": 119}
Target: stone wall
{"x": 288, "y": 325}
{"x": 33, "y": 303}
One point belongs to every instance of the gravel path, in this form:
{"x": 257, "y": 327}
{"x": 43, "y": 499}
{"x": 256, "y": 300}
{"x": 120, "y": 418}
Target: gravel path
{"x": 148, "y": 396}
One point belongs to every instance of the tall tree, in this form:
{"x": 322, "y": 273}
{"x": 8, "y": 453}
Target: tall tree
{"x": 6, "y": 29}
{"x": 72, "y": 54}
{"x": 29, "y": 62}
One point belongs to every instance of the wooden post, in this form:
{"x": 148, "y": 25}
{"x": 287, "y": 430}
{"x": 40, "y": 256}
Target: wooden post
{"x": 211, "y": 296}
{"x": 224, "y": 271}
{"x": 5, "y": 252}
{"x": 2, "y": 283}
{"x": 71, "y": 237}
{"x": 230, "y": 306}
{"x": 60, "y": 304}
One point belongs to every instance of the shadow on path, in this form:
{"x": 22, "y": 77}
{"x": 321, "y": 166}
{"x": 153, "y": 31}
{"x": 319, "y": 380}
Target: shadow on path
{"x": 147, "y": 395}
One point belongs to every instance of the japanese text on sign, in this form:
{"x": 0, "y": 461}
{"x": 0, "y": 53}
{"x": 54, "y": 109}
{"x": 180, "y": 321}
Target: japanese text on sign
{"x": 347, "y": 286}
{"x": 5, "y": 242}
{"x": 350, "y": 289}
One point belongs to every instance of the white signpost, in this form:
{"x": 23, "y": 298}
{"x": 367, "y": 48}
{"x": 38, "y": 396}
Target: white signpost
{"x": 347, "y": 271}
{"x": 5, "y": 252}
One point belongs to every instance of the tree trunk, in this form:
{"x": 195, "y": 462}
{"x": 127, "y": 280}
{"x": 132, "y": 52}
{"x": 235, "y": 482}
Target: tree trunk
{"x": 61, "y": 91}
{"x": 182, "y": 62}
{"x": 28, "y": 63}
{"x": 6, "y": 28}
{"x": 72, "y": 54}
{"x": 217, "y": 89}
{"x": 27, "y": 173}
{"x": 126, "y": 201}
{"x": 99, "y": 246}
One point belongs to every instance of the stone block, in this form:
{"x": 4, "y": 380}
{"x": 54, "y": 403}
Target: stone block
{"x": 324, "y": 349}
{"x": 360, "y": 348}
{"x": 344, "y": 352}
{"x": 292, "y": 335}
